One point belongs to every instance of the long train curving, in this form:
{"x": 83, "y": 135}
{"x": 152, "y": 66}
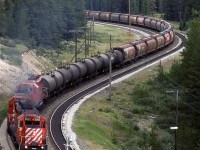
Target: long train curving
{"x": 27, "y": 127}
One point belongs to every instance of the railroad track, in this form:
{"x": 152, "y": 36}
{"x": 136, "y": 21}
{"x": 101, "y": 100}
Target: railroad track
{"x": 61, "y": 103}
{"x": 68, "y": 101}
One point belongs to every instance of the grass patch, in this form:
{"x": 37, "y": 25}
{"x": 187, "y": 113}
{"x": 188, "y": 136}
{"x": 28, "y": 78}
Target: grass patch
{"x": 11, "y": 51}
{"x": 134, "y": 119}
{"x": 94, "y": 132}
{"x": 13, "y": 55}
{"x": 3, "y": 110}
{"x": 100, "y": 41}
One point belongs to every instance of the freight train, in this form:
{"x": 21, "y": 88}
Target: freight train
{"x": 40, "y": 87}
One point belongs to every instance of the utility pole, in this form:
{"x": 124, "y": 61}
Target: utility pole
{"x": 88, "y": 40}
{"x": 0, "y": 53}
{"x": 176, "y": 127}
{"x": 75, "y": 34}
{"x": 110, "y": 71}
{"x": 129, "y": 18}
{"x": 90, "y": 33}
{"x": 76, "y": 45}
{"x": 85, "y": 30}
{"x": 176, "y": 132}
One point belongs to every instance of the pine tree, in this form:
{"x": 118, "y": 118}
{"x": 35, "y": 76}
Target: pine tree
{"x": 10, "y": 25}
{"x": 190, "y": 64}
{"x": 2, "y": 18}
{"x": 136, "y": 9}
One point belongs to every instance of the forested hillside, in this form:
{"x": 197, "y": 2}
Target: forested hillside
{"x": 43, "y": 22}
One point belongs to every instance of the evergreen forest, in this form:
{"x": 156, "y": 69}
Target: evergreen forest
{"x": 47, "y": 22}
{"x": 40, "y": 23}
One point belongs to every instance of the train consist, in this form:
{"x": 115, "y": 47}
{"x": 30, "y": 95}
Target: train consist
{"x": 25, "y": 123}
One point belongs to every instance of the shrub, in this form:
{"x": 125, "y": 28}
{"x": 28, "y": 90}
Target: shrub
{"x": 108, "y": 110}
{"x": 127, "y": 114}
{"x": 17, "y": 60}
{"x": 141, "y": 92}
{"x": 145, "y": 101}
{"x": 7, "y": 42}
{"x": 137, "y": 110}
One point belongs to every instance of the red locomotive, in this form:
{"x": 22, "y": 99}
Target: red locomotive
{"x": 33, "y": 90}
{"x": 26, "y": 126}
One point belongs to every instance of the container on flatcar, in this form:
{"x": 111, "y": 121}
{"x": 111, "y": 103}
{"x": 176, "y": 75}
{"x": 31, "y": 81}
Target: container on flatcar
{"x": 115, "y": 17}
{"x": 94, "y": 14}
{"x": 105, "y": 16}
{"x": 124, "y": 18}
{"x": 140, "y": 20}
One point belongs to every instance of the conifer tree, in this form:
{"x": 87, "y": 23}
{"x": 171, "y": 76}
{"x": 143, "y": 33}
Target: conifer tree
{"x": 190, "y": 64}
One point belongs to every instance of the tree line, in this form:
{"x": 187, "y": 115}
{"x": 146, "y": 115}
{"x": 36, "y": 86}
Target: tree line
{"x": 181, "y": 10}
{"x": 43, "y": 22}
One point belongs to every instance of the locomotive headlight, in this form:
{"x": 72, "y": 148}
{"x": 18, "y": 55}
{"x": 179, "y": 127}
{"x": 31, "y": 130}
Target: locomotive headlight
{"x": 42, "y": 147}
{"x": 26, "y": 147}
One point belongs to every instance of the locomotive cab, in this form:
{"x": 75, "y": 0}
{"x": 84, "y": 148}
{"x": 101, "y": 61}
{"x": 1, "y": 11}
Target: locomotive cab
{"x": 31, "y": 91}
{"x": 26, "y": 126}
{"x": 31, "y": 131}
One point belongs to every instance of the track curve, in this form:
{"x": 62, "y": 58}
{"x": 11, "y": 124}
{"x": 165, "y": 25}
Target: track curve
{"x": 55, "y": 123}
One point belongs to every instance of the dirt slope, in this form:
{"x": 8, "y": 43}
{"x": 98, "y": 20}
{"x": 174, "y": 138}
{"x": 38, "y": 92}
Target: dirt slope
{"x": 11, "y": 75}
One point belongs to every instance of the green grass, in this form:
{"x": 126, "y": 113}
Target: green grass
{"x": 3, "y": 110}
{"x": 12, "y": 51}
{"x": 126, "y": 120}
{"x": 94, "y": 132}
{"x": 100, "y": 43}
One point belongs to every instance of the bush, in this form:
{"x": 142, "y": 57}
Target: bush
{"x": 7, "y": 42}
{"x": 127, "y": 114}
{"x": 108, "y": 110}
{"x": 164, "y": 122}
{"x": 17, "y": 60}
{"x": 10, "y": 51}
{"x": 13, "y": 55}
{"x": 136, "y": 110}
{"x": 141, "y": 92}
{"x": 145, "y": 101}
